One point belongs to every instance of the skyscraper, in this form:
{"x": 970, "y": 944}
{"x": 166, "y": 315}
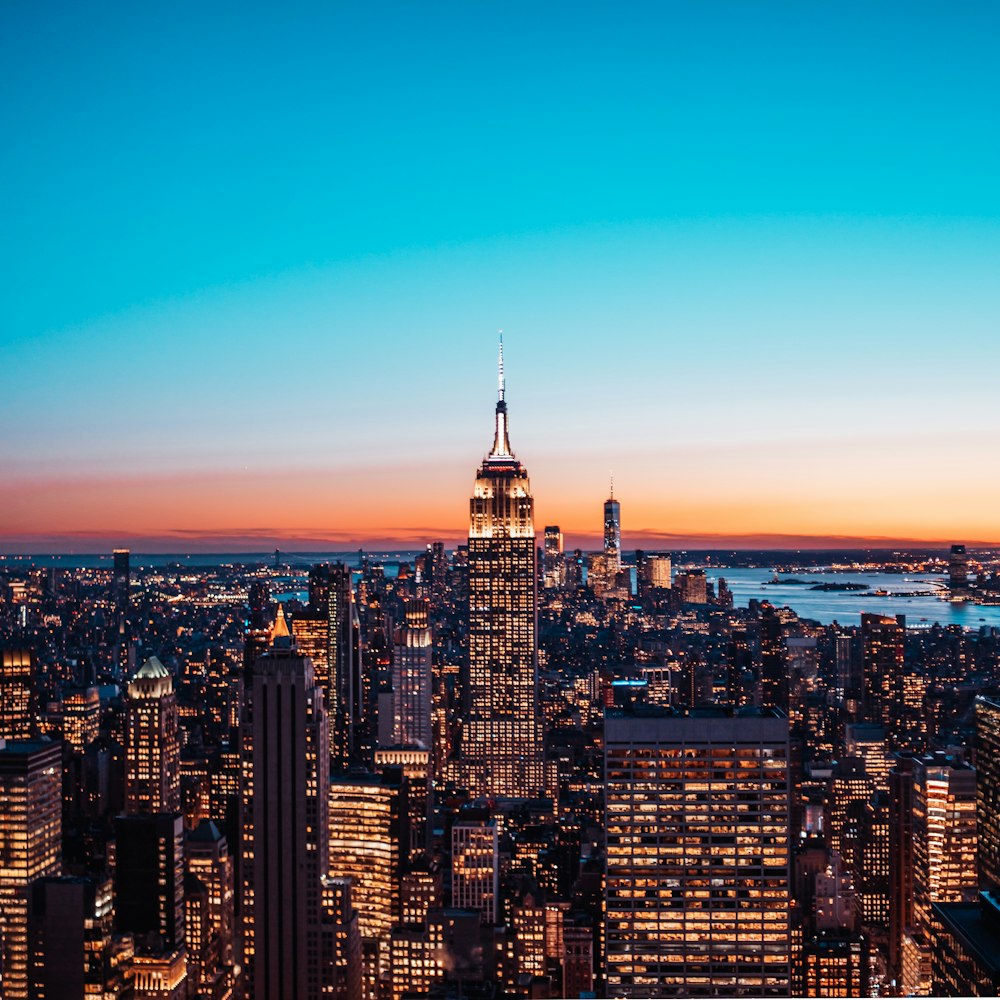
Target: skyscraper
{"x": 286, "y": 780}
{"x": 17, "y": 694}
{"x": 554, "y": 568}
{"x": 502, "y": 741}
{"x": 613, "y": 533}
{"x": 958, "y": 571}
{"x": 152, "y": 776}
{"x": 30, "y": 845}
{"x": 411, "y": 677}
{"x": 988, "y": 789}
{"x": 697, "y": 872}
{"x": 882, "y": 649}
{"x": 331, "y": 596}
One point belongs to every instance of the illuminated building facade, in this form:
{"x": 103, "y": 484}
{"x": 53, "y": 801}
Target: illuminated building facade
{"x": 411, "y": 677}
{"x": 475, "y": 867}
{"x": 30, "y": 846}
{"x": 613, "y": 533}
{"x": 966, "y": 958}
{"x": 944, "y": 835}
{"x": 502, "y": 739}
{"x": 415, "y": 764}
{"x": 697, "y": 879}
{"x": 72, "y": 952}
{"x": 152, "y": 775}
{"x": 958, "y": 571}
{"x": 882, "y": 648}
{"x": 331, "y": 597}
{"x": 81, "y": 716}
{"x": 553, "y": 563}
{"x": 17, "y": 694}
{"x": 368, "y": 839}
{"x": 207, "y": 859}
{"x": 342, "y": 958}
{"x": 285, "y": 830}
{"x": 988, "y": 789}
{"x": 656, "y": 570}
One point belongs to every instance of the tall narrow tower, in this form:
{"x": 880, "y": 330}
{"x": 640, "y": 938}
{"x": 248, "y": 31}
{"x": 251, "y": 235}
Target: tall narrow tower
{"x": 502, "y": 742}
{"x": 613, "y": 533}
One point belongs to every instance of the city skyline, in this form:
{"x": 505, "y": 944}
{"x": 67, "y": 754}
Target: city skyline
{"x": 745, "y": 258}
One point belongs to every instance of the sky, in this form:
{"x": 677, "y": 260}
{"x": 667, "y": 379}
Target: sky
{"x": 256, "y": 257}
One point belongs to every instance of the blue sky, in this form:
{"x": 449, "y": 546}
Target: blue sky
{"x": 263, "y": 237}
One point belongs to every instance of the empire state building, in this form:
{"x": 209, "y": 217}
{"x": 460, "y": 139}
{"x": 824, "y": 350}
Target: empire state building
{"x": 502, "y": 741}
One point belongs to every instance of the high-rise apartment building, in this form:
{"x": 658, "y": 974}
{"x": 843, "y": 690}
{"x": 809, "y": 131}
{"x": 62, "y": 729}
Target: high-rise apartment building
{"x": 502, "y": 739}
{"x": 411, "y": 677}
{"x": 30, "y": 846}
{"x": 152, "y": 775}
{"x": 17, "y": 694}
{"x": 697, "y": 886}
{"x": 286, "y": 778}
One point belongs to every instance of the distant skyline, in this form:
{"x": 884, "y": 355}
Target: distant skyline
{"x": 255, "y": 262}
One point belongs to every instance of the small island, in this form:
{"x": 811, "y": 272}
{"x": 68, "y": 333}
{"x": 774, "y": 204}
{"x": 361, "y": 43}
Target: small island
{"x": 839, "y": 586}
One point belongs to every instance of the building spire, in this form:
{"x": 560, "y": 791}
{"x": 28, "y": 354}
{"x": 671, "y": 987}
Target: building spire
{"x": 500, "y": 379}
{"x": 501, "y": 443}
{"x": 612, "y": 484}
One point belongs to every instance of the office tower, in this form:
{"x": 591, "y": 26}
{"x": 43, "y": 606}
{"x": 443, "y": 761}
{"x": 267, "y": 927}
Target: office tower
{"x": 81, "y": 714}
{"x": 368, "y": 840}
{"x": 850, "y": 789}
{"x": 988, "y": 789}
{"x": 882, "y": 647}
{"x": 286, "y": 778}
{"x": 613, "y": 531}
{"x": 342, "y": 955}
{"x": 475, "y": 867}
{"x": 554, "y": 565}
{"x": 845, "y": 685}
{"x": 152, "y": 776}
{"x": 415, "y": 765}
{"x": 72, "y": 953}
{"x": 773, "y": 667}
{"x": 148, "y": 862}
{"x": 17, "y": 694}
{"x": 966, "y": 959}
{"x": 900, "y": 860}
{"x": 866, "y": 741}
{"x": 331, "y": 596}
{"x": 30, "y": 846}
{"x": 958, "y": 571}
{"x": 944, "y": 835}
{"x": 207, "y": 860}
{"x": 411, "y": 677}
{"x": 697, "y": 886}
{"x": 874, "y": 880}
{"x": 311, "y": 633}
{"x": 502, "y": 741}
{"x": 121, "y": 578}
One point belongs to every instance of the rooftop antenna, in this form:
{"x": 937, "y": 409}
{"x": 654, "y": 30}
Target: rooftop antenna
{"x": 500, "y": 382}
